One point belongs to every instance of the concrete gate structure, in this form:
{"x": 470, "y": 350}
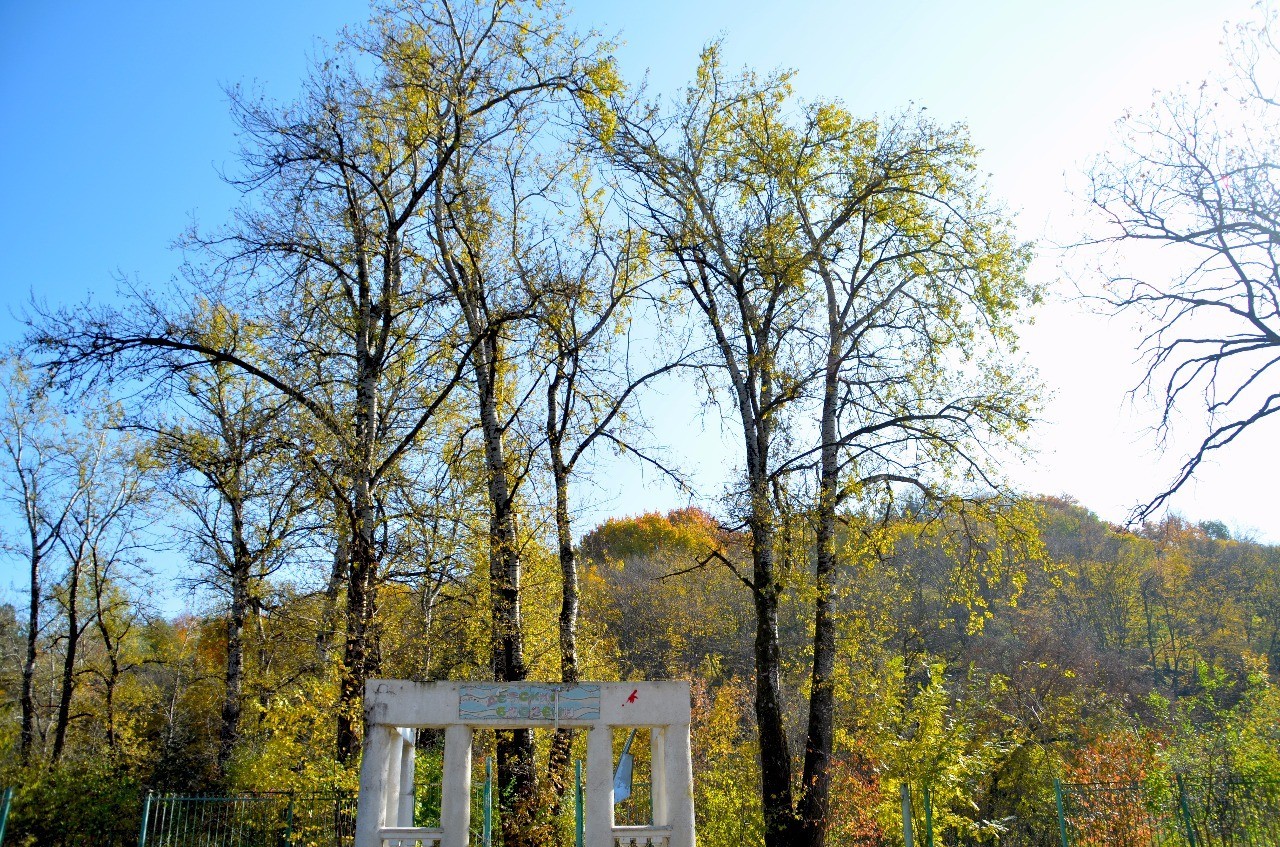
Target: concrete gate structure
{"x": 395, "y": 708}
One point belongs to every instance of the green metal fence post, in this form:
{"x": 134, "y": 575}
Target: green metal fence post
{"x": 288, "y": 822}
{"x": 577, "y": 804}
{"x": 1186, "y": 811}
{"x": 4, "y": 811}
{"x": 142, "y": 833}
{"x": 1062, "y": 818}
{"x": 928, "y": 816}
{"x": 487, "y": 833}
{"x": 907, "y": 840}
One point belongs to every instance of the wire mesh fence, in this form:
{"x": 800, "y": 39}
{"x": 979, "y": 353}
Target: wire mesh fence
{"x": 636, "y": 810}
{"x": 1177, "y": 812}
{"x": 1233, "y": 812}
{"x": 251, "y": 820}
{"x": 1116, "y": 815}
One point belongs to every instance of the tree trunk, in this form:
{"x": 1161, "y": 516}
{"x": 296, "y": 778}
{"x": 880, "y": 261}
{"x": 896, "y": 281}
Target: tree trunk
{"x": 333, "y": 587}
{"x": 113, "y": 679}
{"x": 1151, "y": 636}
{"x": 110, "y": 704}
{"x": 516, "y": 779}
{"x": 815, "y": 798}
{"x": 356, "y": 656}
{"x": 69, "y": 662}
{"x": 777, "y": 802}
{"x": 562, "y": 741}
{"x": 775, "y": 753}
{"x": 358, "y": 660}
{"x": 229, "y": 732}
{"x": 112, "y": 650}
{"x": 755, "y": 392}
{"x": 27, "y": 698}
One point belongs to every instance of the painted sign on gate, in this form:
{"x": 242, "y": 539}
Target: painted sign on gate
{"x": 505, "y": 701}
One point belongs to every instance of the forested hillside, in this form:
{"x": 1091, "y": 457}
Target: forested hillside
{"x": 981, "y": 662}
{"x": 983, "y": 666}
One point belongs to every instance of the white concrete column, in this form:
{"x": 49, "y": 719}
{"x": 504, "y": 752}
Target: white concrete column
{"x": 455, "y": 793}
{"x": 371, "y": 806}
{"x": 678, "y": 770}
{"x": 658, "y": 775}
{"x": 598, "y": 825}
{"x": 393, "y": 779}
{"x": 407, "y": 793}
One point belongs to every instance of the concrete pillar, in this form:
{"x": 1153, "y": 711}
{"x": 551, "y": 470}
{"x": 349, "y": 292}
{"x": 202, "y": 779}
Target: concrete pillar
{"x": 455, "y": 794}
{"x": 678, "y": 775}
{"x": 371, "y": 806}
{"x": 598, "y": 826}
{"x": 658, "y": 775}
{"x": 407, "y": 794}
{"x": 393, "y": 780}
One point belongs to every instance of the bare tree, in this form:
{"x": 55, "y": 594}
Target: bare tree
{"x": 1197, "y": 174}
{"x": 115, "y": 583}
{"x": 39, "y": 480}
{"x": 331, "y": 270}
{"x": 594, "y": 376}
{"x": 487, "y": 221}
{"x": 103, "y": 532}
{"x": 482, "y": 217}
{"x": 228, "y": 460}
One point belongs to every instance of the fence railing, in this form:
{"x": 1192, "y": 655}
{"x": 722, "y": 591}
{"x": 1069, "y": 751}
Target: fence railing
{"x": 250, "y": 820}
{"x": 281, "y": 819}
{"x": 1178, "y": 812}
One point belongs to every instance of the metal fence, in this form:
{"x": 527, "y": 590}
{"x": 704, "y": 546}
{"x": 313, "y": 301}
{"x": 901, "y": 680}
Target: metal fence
{"x": 6, "y": 800}
{"x": 250, "y": 820}
{"x": 1178, "y": 812}
{"x": 1230, "y": 812}
{"x": 280, "y": 819}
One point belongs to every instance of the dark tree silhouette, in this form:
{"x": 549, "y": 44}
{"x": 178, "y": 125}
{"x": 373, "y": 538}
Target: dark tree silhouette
{"x": 1198, "y": 174}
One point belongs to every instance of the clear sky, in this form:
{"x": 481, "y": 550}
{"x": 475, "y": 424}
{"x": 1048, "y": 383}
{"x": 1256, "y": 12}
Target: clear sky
{"x": 114, "y": 126}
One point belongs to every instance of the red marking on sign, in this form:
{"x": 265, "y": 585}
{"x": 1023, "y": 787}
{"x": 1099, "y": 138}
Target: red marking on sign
{"x": 632, "y": 698}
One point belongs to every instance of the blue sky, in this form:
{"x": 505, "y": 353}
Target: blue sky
{"x": 115, "y": 126}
